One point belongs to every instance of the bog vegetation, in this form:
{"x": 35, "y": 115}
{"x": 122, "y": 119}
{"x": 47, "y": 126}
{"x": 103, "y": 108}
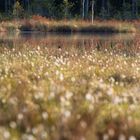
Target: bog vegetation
{"x": 68, "y": 92}
{"x": 42, "y": 24}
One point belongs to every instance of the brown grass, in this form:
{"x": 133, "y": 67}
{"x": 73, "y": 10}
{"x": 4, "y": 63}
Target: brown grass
{"x": 57, "y": 91}
{"x": 37, "y": 23}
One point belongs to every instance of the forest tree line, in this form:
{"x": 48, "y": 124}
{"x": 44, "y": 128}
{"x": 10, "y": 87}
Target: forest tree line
{"x": 106, "y": 9}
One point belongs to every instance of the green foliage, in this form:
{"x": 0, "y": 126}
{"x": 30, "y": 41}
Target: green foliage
{"x": 67, "y": 6}
{"x": 73, "y": 8}
{"x": 126, "y": 11}
{"x": 17, "y": 10}
{"x": 118, "y": 15}
{"x": 4, "y": 16}
{"x": 104, "y": 14}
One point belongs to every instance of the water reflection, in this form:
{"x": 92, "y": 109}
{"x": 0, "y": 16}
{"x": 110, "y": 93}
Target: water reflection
{"x": 120, "y": 42}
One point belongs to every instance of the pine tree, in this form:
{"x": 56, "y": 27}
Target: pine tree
{"x": 17, "y": 10}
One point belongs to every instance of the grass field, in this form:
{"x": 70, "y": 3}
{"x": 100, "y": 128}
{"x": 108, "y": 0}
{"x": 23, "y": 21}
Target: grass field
{"x": 49, "y": 93}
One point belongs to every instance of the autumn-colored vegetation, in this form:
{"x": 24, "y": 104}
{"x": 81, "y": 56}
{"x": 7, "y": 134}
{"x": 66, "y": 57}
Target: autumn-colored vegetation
{"x": 41, "y": 24}
{"x": 56, "y": 91}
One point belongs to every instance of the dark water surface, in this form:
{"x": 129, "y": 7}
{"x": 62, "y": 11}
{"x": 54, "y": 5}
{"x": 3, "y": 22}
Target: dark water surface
{"x": 121, "y": 42}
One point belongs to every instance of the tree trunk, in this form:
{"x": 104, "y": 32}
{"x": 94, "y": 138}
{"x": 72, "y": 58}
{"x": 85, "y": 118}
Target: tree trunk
{"x": 108, "y": 7}
{"x": 124, "y": 10}
{"x": 87, "y": 8}
{"x": 6, "y": 8}
{"x": 104, "y": 8}
{"x": 123, "y": 2}
{"x": 83, "y": 4}
{"x": 92, "y": 10}
{"x": 103, "y": 4}
{"x": 9, "y": 5}
{"x": 134, "y": 8}
{"x": 28, "y": 5}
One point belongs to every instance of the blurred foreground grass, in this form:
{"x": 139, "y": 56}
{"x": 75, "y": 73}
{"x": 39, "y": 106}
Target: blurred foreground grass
{"x": 54, "y": 94}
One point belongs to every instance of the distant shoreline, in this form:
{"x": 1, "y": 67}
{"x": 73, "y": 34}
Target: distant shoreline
{"x": 64, "y": 26}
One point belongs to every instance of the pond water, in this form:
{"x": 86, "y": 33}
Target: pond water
{"x": 125, "y": 43}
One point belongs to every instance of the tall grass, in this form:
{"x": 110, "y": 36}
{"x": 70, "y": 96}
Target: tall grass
{"x": 67, "y": 93}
